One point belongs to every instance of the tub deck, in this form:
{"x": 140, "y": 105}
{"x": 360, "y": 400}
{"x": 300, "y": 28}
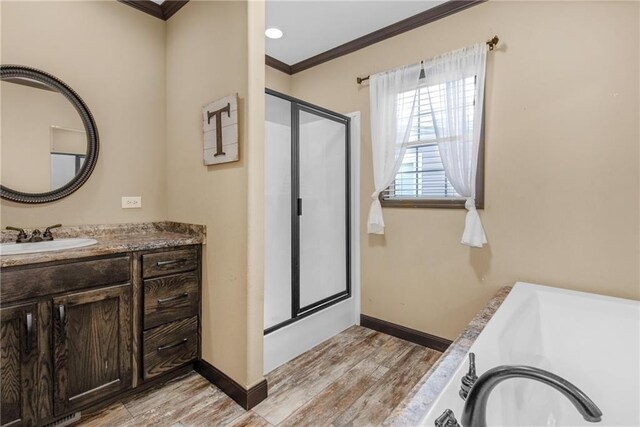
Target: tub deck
{"x": 590, "y": 340}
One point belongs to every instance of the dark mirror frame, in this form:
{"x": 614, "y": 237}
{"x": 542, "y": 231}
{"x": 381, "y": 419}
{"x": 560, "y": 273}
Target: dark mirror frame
{"x": 9, "y": 72}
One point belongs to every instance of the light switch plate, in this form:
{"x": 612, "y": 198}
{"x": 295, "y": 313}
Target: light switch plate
{"x": 131, "y": 202}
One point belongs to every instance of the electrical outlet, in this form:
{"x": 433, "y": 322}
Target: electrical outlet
{"x": 132, "y": 202}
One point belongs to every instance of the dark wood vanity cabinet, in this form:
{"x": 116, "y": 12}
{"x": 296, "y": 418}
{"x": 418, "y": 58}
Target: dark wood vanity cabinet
{"x": 171, "y": 300}
{"x": 75, "y": 334}
{"x": 22, "y": 334}
{"x": 92, "y": 346}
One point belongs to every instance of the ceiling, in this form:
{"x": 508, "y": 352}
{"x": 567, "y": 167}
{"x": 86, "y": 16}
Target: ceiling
{"x": 312, "y": 27}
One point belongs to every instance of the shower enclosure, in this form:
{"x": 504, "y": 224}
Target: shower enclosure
{"x": 307, "y": 212}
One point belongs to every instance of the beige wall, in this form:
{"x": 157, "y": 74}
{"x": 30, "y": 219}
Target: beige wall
{"x": 562, "y": 162}
{"x": 113, "y": 56}
{"x": 207, "y": 58}
{"x": 277, "y": 80}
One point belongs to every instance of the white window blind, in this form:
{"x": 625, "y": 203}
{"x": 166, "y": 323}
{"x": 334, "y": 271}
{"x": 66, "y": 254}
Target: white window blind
{"x": 422, "y": 174}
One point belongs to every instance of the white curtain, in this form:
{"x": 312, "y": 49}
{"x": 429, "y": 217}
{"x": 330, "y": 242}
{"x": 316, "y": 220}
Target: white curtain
{"x": 390, "y": 129}
{"x": 455, "y": 82}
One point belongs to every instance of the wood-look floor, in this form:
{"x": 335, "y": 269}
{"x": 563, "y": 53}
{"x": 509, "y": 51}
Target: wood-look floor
{"x": 356, "y": 378}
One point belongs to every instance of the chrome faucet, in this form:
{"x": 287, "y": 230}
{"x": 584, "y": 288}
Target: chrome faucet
{"x": 475, "y": 407}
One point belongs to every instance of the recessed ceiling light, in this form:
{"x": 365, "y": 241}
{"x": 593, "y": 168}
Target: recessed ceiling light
{"x": 273, "y": 33}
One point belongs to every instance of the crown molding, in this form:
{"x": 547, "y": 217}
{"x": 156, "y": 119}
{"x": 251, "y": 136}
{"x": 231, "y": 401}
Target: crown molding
{"x": 164, "y": 11}
{"x": 443, "y": 10}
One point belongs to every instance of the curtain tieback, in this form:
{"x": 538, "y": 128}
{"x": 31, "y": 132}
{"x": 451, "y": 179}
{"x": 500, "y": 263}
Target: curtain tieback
{"x": 374, "y": 195}
{"x": 470, "y": 204}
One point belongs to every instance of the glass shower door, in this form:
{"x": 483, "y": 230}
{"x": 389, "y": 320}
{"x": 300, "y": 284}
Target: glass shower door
{"x": 323, "y": 208}
{"x": 307, "y": 246}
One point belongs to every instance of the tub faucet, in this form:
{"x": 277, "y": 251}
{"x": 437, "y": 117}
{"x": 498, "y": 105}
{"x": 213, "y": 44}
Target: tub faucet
{"x": 475, "y": 407}
{"x": 470, "y": 379}
{"x": 447, "y": 419}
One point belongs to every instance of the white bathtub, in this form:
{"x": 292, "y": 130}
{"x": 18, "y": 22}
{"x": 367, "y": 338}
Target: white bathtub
{"x": 590, "y": 340}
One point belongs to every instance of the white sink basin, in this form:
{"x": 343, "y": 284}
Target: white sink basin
{"x": 51, "y": 245}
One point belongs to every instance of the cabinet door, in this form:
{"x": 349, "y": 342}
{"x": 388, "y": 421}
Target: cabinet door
{"x": 92, "y": 346}
{"x": 18, "y": 365}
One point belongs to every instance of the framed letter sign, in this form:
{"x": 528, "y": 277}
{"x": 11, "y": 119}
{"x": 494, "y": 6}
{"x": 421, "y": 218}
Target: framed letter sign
{"x": 220, "y": 126}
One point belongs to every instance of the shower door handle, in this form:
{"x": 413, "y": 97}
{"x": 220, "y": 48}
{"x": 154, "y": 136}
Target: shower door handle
{"x": 299, "y": 207}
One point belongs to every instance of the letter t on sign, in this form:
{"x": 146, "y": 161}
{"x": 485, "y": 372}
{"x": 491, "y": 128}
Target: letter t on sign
{"x": 218, "y": 115}
{"x": 220, "y": 131}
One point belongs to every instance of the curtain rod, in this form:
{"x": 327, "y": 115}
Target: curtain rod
{"x": 491, "y": 43}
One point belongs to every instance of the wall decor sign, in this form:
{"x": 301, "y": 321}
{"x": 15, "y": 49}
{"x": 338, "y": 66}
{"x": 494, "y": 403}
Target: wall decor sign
{"x": 220, "y": 128}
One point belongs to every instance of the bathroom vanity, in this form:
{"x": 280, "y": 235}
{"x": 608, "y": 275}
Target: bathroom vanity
{"x": 81, "y": 328}
{"x": 115, "y": 312}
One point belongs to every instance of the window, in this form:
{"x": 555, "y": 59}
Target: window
{"x": 421, "y": 179}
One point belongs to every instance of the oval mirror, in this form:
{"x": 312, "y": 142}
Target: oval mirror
{"x": 49, "y": 138}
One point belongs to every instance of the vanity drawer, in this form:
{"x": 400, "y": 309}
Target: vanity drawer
{"x": 170, "y": 262}
{"x": 37, "y": 280}
{"x": 170, "y": 298}
{"x": 169, "y": 346}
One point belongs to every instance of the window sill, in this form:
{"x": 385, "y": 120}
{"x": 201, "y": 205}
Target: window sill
{"x": 427, "y": 203}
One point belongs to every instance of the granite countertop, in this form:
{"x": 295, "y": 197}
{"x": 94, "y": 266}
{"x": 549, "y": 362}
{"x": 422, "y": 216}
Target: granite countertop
{"x": 415, "y": 406}
{"x": 115, "y": 238}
